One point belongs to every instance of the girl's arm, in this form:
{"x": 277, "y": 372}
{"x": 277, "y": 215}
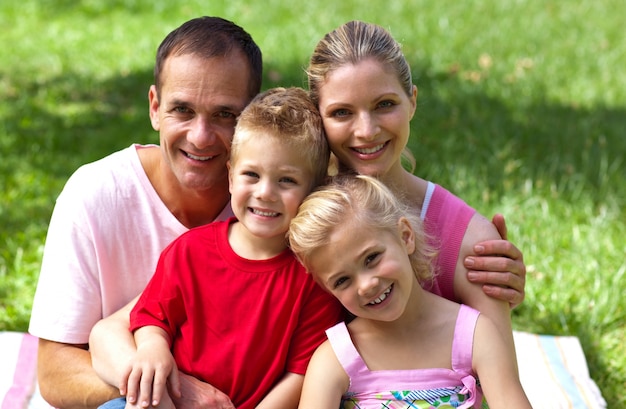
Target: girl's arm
{"x": 325, "y": 380}
{"x": 152, "y": 366}
{"x": 497, "y": 372}
{"x": 285, "y": 394}
{"x": 480, "y": 229}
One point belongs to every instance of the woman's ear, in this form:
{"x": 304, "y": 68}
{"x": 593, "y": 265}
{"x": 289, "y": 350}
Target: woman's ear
{"x": 407, "y": 234}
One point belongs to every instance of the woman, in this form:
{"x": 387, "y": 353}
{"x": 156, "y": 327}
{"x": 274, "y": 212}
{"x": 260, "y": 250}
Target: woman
{"x": 362, "y": 85}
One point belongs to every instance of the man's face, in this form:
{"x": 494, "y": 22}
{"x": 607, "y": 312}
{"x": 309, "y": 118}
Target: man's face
{"x": 195, "y": 115}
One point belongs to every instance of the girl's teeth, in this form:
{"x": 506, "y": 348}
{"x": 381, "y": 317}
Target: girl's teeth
{"x": 382, "y": 297}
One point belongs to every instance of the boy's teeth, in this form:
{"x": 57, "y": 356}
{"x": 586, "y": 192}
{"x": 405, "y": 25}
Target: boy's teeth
{"x": 266, "y": 214}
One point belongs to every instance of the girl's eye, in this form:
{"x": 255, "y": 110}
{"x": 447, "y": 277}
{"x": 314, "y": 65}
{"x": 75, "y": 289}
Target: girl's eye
{"x": 340, "y": 281}
{"x": 371, "y": 258}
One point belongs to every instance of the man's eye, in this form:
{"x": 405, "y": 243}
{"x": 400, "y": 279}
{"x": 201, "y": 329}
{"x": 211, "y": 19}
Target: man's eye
{"x": 182, "y": 110}
{"x": 226, "y": 114}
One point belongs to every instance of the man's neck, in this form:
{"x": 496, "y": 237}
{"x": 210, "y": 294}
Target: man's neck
{"x": 191, "y": 207}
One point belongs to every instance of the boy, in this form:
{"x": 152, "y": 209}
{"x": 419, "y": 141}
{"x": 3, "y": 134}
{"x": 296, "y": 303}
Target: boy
{"x": 229, "y": 299}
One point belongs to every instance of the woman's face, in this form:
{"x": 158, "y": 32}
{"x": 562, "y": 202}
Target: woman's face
{"x": 366, "y": 114}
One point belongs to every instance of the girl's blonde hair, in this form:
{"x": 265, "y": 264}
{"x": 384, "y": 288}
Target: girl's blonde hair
{"x": 361, "y": 200}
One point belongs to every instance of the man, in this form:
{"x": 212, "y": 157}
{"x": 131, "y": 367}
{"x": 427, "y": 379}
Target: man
{"x": 115, "y": 216}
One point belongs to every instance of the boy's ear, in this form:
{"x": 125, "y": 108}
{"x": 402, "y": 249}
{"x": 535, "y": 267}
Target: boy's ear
{"x": 230, "y": 176}
{"x": 407, "y": 234}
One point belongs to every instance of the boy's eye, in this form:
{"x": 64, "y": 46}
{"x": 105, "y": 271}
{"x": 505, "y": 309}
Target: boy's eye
{"x": 288, "y": 180}
{"x": 251, "y": 174}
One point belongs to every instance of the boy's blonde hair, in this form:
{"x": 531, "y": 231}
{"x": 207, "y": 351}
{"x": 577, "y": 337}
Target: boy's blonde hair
{"x": 361, "y": 200}
{"x": 288, "y": 115}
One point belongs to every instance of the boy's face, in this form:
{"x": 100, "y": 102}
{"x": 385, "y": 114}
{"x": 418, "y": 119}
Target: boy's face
{"x": 268, "y": 181}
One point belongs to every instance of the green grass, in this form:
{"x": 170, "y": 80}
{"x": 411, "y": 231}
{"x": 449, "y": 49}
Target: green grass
{"x": 521, "y": 110}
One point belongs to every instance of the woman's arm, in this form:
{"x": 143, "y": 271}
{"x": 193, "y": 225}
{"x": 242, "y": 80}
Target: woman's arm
{"x": 325, "y": 380}
{"x": 498, "y": 374}
{"x": 498, "y": 266}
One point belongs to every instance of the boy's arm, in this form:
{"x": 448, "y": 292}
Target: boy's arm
{"x": 151, "y": 368}
{"x": 495, "y": 368}
{"x": 285, "y": 394}
{"x": 498, "y": 266}
{"x": 112, "y": 345}
{"x": 325, "y": 380}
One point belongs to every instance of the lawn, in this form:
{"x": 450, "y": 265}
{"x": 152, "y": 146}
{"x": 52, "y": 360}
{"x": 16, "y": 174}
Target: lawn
{"x": 521, "y": 110}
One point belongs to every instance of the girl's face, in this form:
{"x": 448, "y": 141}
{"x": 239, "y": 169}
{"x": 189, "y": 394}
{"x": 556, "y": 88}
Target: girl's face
{"x": 368, "y": 269}
{"x": 366, "y": 114}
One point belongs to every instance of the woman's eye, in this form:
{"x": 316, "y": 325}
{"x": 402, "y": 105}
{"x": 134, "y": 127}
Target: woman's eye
{"x": 386, "y": 104}
{"x": 340, "y": 113}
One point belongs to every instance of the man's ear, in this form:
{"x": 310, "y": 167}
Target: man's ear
{"x": 153, "y": 102}
{"x": 407, "y": 234}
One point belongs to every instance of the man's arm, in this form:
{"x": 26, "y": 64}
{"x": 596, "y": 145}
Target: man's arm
{"x": 62, "y": 368}
{"x": 498, "y": 266}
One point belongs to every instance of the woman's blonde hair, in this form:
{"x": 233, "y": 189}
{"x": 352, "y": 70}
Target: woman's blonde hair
{"x": 361, "y": 200}
{"x": 351, "y": 43}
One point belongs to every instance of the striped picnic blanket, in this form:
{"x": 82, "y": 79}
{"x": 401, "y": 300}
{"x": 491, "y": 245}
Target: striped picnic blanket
{"x": 553, "y": 370}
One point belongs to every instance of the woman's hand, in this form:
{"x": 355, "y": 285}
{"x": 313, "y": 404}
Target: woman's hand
{"x": 499, "y": 266}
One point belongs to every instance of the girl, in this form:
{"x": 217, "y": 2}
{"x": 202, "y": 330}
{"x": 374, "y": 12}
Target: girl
{"x": 406, "y": 348}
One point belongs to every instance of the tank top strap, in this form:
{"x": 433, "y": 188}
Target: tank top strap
{"x": 344, "y": 349}
{"x": 463, "y": 341}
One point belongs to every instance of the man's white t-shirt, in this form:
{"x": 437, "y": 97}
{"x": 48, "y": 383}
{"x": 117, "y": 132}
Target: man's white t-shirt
{"x": 105, "y": 236}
